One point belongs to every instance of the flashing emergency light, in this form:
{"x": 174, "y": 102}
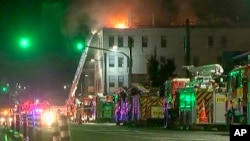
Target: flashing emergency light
{"x": 115, "y": 98}
{"x": 2, "y": 119}
{"x": 187, "y": 98}
{"x": 48, "y": 118}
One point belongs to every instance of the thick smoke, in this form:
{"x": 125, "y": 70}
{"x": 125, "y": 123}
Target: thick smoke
{"x": 99, "y": 13}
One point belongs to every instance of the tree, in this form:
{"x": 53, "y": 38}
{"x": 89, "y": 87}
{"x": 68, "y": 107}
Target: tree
{"x": 167, "y": 71}
{"x": 153, "y": 71}
{"x": 159, "y": 73}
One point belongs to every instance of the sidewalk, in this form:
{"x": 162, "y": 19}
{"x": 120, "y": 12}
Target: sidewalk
{"x": 199, "y": 127}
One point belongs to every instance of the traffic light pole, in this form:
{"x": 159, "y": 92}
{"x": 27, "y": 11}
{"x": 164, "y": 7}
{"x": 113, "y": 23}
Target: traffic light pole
{"x": 130, "y": 63}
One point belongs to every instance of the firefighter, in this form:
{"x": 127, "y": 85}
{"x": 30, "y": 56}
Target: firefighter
{"x": 166, "y": 115}
{"x": 230, "y": 114}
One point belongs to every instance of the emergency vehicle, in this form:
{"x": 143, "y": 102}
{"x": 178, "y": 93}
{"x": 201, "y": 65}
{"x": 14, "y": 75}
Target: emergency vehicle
{"x": 104, "y": 108}
{"x": 200, "y": 101}
{"x": 88, "y": 113}
{"x": 238, "y": 96}
{"x": 139, "y": 106}
{"x": 39, "y": 111}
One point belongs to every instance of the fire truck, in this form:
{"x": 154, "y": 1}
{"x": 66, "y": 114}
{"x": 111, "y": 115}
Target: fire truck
{"x": 104, "y": 111}
{"x": 139, "y": 106}
{"x": 88, "y": 113}
{"x": 238, "y": 98}
{"x": 39, "y": 111}
{"x": 201, "y": 100}
{"x": 73, "y": 104}
{"x": 171, "y": 107}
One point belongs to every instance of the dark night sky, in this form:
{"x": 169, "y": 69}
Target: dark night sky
{"x": 49, "y": 63}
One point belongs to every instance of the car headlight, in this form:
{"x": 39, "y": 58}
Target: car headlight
{"x": 10, "y": 119}
{"x": 2, "y": 119}
{"x": 48, "y": 117}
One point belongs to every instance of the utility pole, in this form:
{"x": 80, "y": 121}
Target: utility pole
{"x": 187, "y": 46}
{"x": 130, "y": 62}
{"x": 105, "y": 73}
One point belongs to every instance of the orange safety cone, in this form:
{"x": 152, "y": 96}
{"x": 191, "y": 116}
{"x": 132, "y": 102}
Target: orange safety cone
{"x": 203, "y": 116}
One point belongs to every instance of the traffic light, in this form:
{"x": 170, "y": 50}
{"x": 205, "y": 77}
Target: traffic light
{"x": 24, "y": 42}
{"x": 4, "y": 89}
{"x": 80, "y": 44}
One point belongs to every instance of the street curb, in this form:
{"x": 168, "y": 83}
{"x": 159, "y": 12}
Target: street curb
{"x": 178, "y": 128}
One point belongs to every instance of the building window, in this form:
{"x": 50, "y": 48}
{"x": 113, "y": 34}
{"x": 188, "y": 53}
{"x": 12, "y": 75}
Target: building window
{"x": 120, "y": 80}
{"x": 120, "y": 61}
{"x": 144, "y": 41}
{"x": 196, "y": 61}
{"x": 111, "y": 81}
{"x": 111, "y": 61}
{"x": 210, "y": 41}
{"x": 130, "y": 41}
{"x": 223, "y": 41}
{"x": 163, "y": 41}
{"x": 120, "y": 41}
{"x": 111, "y": 41}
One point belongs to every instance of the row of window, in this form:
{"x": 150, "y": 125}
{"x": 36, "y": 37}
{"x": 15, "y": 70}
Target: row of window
{"x": 223, "y": 41}
{"x": 145, "y": 40}
{"x": 112, "y": 80}
{"x": 112, "y": 61}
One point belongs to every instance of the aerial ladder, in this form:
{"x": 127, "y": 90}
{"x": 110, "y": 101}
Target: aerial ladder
{"x": 204, "y": 74}
{"x": 72, "y": 103}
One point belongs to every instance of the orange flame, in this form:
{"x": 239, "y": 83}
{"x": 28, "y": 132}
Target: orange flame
{"x": 118, "y": 21}
{"x": 121, "y": 25}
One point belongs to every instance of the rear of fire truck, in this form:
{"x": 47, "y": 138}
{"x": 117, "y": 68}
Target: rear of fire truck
{"x": 104, "y": 108}
{"x": 41, "y": 113}
{"x": 138, "y": 105}
{"x": 197, "y": 99}
{"x": 171, "y": 105}
{"x": 238, "y": 98}
{"x": 88, "y": 111}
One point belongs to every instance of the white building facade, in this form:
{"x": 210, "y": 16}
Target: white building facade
{"x": 207, "y": 45}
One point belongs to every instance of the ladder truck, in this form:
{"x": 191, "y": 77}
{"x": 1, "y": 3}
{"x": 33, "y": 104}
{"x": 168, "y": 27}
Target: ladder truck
{"x": 72, "y": 103}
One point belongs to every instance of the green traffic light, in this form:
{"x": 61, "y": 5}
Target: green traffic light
{"x": 24, "y": 42}
{"x": 4, "y": 89}
{"x": 80, "y": 46}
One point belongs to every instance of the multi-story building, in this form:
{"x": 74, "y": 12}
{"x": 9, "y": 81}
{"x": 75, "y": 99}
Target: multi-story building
{"x": 207, "y": 45}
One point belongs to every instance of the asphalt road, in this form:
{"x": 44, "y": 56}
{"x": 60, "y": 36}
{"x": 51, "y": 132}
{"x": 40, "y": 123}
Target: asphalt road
{"x": 109, "y": 132}
{"x": 3, "y": 137}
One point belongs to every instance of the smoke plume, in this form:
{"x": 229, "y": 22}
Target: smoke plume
{"x": 106, "y": 13}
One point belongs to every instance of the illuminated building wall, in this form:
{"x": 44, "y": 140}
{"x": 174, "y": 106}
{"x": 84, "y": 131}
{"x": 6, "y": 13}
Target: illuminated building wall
{"x": 207, "y": 45}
